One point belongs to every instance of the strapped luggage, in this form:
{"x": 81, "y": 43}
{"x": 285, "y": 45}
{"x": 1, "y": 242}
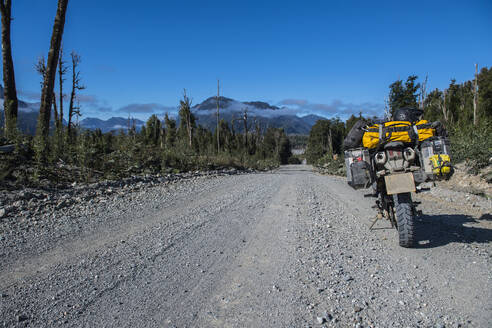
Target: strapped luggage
{"x": 354, "y": 137}
{"x": 436, "y": 159}
{"x": 402, "y": 131}
{"x": 357, "y": 163}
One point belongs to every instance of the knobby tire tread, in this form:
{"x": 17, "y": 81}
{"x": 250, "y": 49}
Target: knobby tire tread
{"x": 405, "y": 219}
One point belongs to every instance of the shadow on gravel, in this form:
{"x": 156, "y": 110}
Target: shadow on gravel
{"x": 486, "y": 217}
{"x": 440, "y": 230}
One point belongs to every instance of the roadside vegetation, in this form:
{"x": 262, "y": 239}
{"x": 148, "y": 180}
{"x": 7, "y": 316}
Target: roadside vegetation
{"x": 158, "y": 148}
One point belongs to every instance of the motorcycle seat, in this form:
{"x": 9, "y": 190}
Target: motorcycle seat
{"x": 394, "y": 144}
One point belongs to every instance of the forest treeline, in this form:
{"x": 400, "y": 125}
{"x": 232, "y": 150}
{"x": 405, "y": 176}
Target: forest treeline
{"x": 465, "y": 109}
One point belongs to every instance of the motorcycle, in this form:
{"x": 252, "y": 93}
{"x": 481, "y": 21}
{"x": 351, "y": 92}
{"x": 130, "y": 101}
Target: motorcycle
{"x": 395, "y": 168}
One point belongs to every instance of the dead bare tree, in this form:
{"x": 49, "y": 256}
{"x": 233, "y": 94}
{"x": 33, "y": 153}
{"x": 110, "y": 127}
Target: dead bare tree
{"x": 245, "y": 122}
{"x": 443, "y": 106}
{"x": 462, "y": 97}
{"x": 218, "y": 128}
{"x": 475, "y": 96}
{"x": 55, "y": 110}
{"x": 62, "y": 70}
{"x": 41, "y": 69}
{"x": 76, "y": 86}
{"x": 423, "y": 91}
{"x": 49, "y": 79}
{"x": 387, "y": 112}
{"x": 10, "y": 102}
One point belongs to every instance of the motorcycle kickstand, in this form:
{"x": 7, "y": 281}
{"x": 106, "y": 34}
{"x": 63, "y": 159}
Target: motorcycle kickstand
{"x": 379, "y": 216}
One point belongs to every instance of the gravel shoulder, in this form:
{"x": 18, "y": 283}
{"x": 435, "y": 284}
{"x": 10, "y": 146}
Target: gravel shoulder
{"x": 287, "y": 248}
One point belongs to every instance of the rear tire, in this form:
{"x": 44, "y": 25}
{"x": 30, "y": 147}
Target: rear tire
{"x": 405, "y": 218}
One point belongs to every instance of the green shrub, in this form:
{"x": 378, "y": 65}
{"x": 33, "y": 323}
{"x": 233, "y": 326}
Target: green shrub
{"x": 328, "y": 165}
{"x": 472, "y": 144}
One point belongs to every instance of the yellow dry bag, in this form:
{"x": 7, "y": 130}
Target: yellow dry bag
{"x": 402, "y": 131}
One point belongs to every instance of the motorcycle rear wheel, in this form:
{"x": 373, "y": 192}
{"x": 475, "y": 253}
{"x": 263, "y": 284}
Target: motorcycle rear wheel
{"x": 405, "y": 218}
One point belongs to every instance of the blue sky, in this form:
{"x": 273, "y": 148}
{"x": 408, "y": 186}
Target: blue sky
{"x": 325, "y": 57}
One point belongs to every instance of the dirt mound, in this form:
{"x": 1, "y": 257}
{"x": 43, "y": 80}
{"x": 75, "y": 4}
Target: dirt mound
{"x": 462, "y": 180}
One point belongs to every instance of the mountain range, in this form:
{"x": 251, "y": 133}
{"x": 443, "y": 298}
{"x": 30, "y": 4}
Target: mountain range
{"x": 259, "y": 112}
{"x": 232, "y": 111}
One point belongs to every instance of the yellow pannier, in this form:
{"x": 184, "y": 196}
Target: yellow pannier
{"x": 402, "y": 131}
{"x": 441, "y": 164}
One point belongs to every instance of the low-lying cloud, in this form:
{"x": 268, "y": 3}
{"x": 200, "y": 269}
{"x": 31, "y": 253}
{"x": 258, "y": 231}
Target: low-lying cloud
{"x": 295, "y": 102}
{"x": 89, "y": 103}
{"x": 302, "y": 107}
{"x": 93, "y": 105}
{"x": 151, "y": 108}
{"x": 336, "y": 108}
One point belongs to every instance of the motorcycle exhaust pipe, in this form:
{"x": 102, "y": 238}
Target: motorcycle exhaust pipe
{"x": 380, "y": 158}
{"x": 409, "y": 154}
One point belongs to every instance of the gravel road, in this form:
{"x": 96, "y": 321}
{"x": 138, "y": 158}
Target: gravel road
{"x": 287, "y": 248}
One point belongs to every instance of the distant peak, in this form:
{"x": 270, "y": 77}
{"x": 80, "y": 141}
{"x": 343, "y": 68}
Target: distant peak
{"x": 260, "y": 104}
{"x": 224, "y": 102}
{"x": 211, "y": 103}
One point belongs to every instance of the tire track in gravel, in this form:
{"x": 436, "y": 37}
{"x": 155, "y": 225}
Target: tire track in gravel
{"x": 259, "y": 290}
{"x": 129, "y": 224}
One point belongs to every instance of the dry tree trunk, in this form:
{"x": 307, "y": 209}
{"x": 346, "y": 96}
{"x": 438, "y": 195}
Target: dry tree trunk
{"x": 443, "y": 106}
{"x": 10, "y": 93}
{"x": 41, "y": 69}
{"x": 423, "y": 89}
{"x": 49, "y": 80}
{"x": 189, "y": 128}
{"x": 55, "y": 109}
{"x": 72, "y": 109}
{"x": 62, "y": 70}
{"x": 186, "y": 107}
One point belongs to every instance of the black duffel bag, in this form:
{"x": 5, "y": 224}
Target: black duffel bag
{"x": 354, "y": 137}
